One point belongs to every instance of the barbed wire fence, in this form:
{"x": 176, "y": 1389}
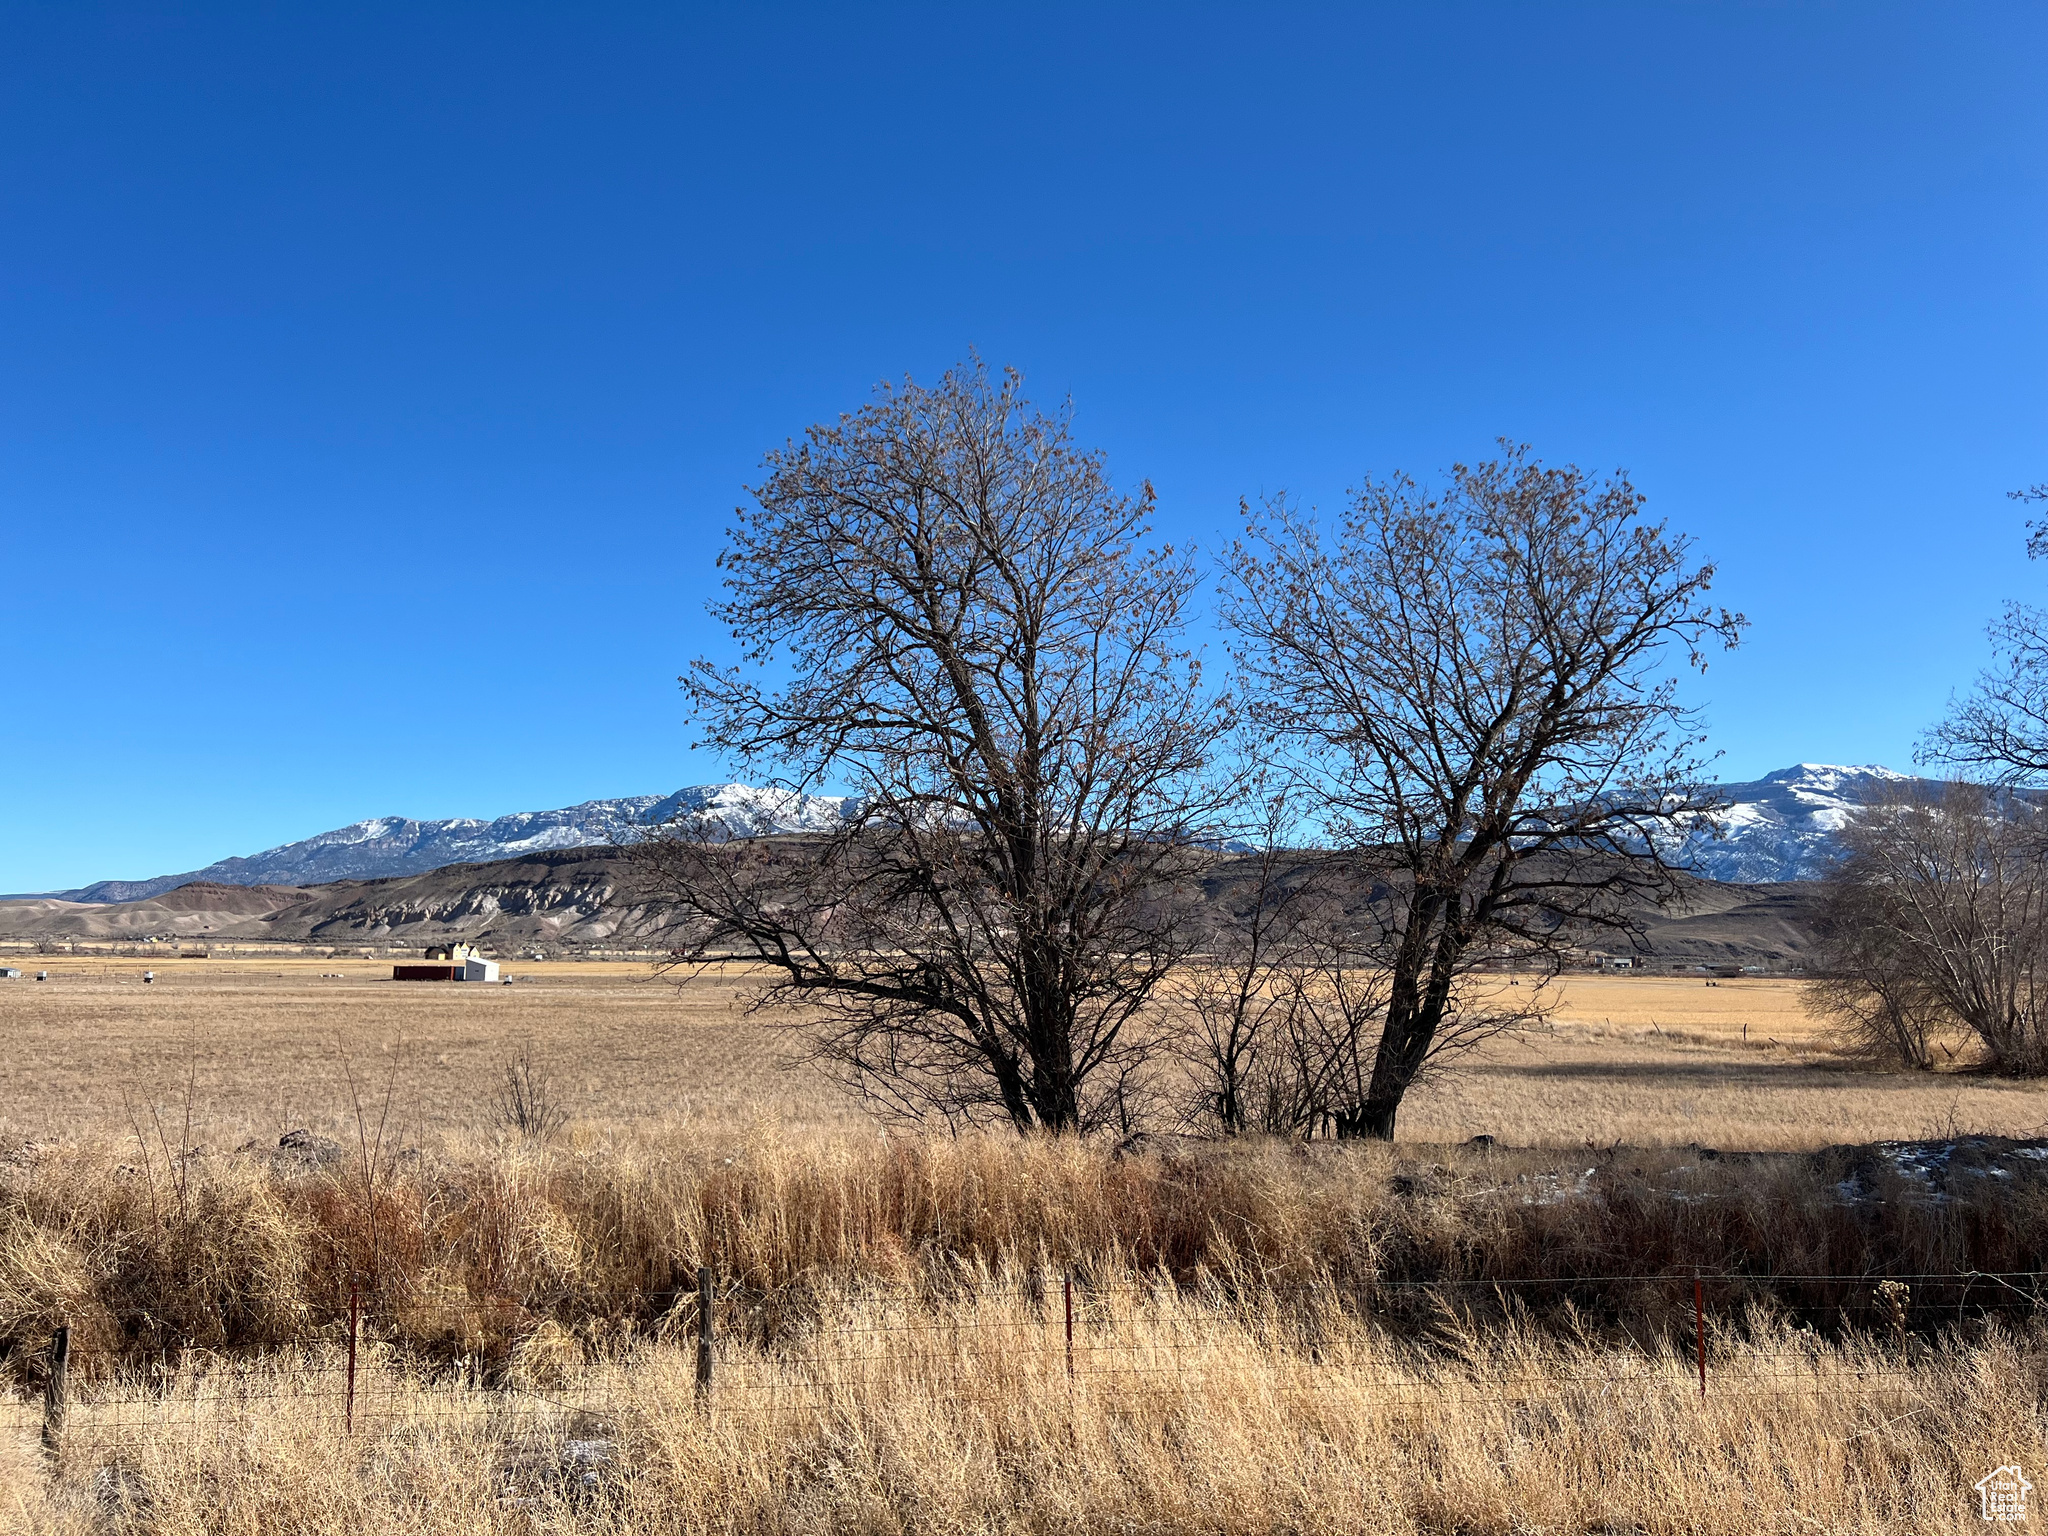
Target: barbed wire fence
{"x": 376, "y": 1373}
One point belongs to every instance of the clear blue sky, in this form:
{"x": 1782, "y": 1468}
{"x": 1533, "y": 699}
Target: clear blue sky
{"x": 375, "y": 385}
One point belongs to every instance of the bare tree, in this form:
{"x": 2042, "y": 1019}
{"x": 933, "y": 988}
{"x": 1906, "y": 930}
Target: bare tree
{"x": 1949, "y": 893}
{"x": 1939, "y": 912}
{"x": 1468, "y": 681}
{"x": 970, "y": 631}
{"x": 1238, "y": 1000}
{"x": 1865, "y": 984}
{"x": 2001, "y": 730}
{"x": 1279, "y": 1017}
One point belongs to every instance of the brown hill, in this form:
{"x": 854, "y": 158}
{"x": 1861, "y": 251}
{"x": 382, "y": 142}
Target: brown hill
{"x": 227, "y": 900}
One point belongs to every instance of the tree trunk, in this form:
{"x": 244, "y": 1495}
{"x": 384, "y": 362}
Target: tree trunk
{"x": 1409, "y": 1032}
{"x": 1229, "y": 1108}
{"x": 1355, "y": 1125}
{"x": 1403, "y": 1042}
{"x": 1055, "y": 1088}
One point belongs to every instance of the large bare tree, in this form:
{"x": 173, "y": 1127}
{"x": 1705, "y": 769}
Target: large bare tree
{"x": 944, "y": 605}
{"x": 1472, "y": 683}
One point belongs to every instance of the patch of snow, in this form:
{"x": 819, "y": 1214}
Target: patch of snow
{"x": 1932, "y": 1166}
{"x": 1786, "y": 825}
{"x": 383, "y": 846}
{"x": 1551, "y": 1189}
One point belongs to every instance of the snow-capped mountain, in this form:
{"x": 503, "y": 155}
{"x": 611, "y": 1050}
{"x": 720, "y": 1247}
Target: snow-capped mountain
{"x": 1784, "y": 825}
{"x": 1781, "y": 827}
{"x": 398, "y": 845}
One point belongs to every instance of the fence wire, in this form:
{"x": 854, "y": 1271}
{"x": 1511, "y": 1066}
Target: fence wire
{"x": 376, "y": 1374}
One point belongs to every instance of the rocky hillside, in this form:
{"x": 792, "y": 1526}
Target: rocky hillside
{"x": 569, "y": 898}
{"x": 550, "y": 896}
{"x": 1785, "y": 825}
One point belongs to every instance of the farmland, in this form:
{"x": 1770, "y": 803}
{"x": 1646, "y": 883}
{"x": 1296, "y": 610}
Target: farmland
{"x": 1427, "y": 1337}
{"x": 269, "y": 1044}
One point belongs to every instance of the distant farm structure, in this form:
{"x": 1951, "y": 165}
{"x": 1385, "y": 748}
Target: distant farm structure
{"x": 448, "y": 962}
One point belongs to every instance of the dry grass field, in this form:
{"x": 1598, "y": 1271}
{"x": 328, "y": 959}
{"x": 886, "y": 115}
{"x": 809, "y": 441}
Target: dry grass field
{"x": 1652, "y": 1061}
{"x": 1423, "y": 1338}
{"x": 1263, "y": 1342}
{"x": 267, "y": 1044}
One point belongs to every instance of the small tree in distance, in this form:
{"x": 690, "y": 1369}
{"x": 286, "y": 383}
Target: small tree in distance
{"x": 526, "y": 1101}
{"x": 1468, "y": 684}
{"x": 974, "y": 636}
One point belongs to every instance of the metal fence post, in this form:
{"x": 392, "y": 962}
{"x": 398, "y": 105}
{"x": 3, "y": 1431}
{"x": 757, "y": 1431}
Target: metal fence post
{"x": 1069, "y": 1287}
{"x": 57, "y": 1390}
{"x": 355, "y": 1319}
{"x": 1699, "y": 1327}
{"x": 703, "y": 1331}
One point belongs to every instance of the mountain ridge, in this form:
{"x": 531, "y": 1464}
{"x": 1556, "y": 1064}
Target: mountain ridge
{"x": 1785, "y": 826}
{"x": 1780, "y": 828}
{"x": 381, "y": 847}
{"x": 569, "y": 901}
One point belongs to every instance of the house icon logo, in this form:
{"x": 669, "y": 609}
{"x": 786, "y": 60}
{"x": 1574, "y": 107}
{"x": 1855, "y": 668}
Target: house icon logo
{"x": 2004, "y": 1492}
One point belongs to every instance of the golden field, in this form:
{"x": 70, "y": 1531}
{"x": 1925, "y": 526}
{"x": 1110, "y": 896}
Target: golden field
{"x": 268, "y": 1044}
{"x": 1420, "y": 1338}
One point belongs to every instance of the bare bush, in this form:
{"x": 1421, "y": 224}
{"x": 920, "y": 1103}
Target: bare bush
{"x": 1878, "y": 1004}
{"x": 527, "y": 1101}
{"x": 1342, "y": 983}
{"x": 1946, "y": 897}
{"x": 1233, "y": 1007}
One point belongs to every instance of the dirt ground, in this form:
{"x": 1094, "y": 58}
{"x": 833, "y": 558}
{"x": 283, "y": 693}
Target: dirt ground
{"x": 257, "y": 1045}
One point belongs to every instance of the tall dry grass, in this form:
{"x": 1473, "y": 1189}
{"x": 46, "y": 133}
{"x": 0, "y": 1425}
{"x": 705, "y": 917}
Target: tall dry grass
{"x": 1267, "y": 1338}
{"x": 1185, "y": 1413}
{"x": 468, "y": 1253}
